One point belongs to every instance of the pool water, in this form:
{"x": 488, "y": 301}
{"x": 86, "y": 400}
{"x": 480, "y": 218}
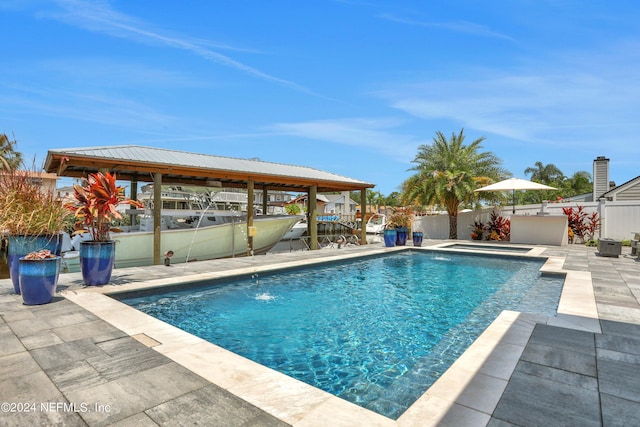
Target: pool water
{"x": 377, "y": 331}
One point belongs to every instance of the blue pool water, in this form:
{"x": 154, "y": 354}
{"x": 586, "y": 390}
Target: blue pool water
{"x": 376, "y": 331}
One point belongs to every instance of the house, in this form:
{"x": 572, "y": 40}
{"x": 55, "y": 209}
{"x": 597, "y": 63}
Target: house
{"x": 321, "y": 203}
{"x": 628, "y": 191}
{"x": 603, "y": 188}
{"x": 340, "y": 204}
{"x": 46, "y": 181}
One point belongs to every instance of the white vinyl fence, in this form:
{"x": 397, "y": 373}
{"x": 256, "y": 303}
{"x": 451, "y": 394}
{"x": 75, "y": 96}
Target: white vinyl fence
{"x": 619, "y": 220}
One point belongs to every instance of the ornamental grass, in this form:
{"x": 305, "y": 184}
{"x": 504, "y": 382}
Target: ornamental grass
{"x": 401, "y": 217}
{"x": 28, "y": 209}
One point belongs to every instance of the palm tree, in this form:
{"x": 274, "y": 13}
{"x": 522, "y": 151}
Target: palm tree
{"x": 9, "y": 157}
{"x": 579, "y": 183}
{"x": 373, "y": 198}
{"x": 448, "y": 173}
{"x": 544, "y": 174}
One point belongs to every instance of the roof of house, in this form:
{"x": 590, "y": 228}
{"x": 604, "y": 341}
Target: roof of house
{"x": 338, "y": 197}
{"x": 632, "y": 182}
{"x": 139, "y": 163}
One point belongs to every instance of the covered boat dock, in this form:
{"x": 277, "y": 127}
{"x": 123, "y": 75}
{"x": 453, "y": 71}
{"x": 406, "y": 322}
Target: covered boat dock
{"x": 160, "y": 166}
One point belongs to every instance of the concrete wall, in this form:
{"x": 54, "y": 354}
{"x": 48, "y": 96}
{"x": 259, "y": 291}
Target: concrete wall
{"x": 620, "y": 220}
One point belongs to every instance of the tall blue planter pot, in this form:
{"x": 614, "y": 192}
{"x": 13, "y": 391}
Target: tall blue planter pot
{"x": 96, "y": 262}
{"x": 20, "y": 246}
{"x": 401, "y": 236}
{"x": 38, "y": 279}
{"x": 390, "y": 236}
{"x": 417, "y": 237}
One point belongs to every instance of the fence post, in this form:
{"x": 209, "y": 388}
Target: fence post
{"x": 601, "y": 213}
{"x": 543, "y": 207}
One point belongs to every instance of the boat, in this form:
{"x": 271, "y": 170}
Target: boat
{"x": 182, "y": 207}
{"x": 295, "y": 232}
{"x": 204, "y": 242}
{"x": 376, "y": 224}
{"x": 194, "y": 226}
{"x": 135, "y": 248}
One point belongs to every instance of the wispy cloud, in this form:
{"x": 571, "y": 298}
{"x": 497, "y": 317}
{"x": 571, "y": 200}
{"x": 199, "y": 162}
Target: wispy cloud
{"x": 464, "y": 27}
{"x": 87, "y": 72}
{"x": 380, "y": 135}
{"x": 89, "y": 107}
{"x": 100, "y": 17}
{"x": 580, "y": 101}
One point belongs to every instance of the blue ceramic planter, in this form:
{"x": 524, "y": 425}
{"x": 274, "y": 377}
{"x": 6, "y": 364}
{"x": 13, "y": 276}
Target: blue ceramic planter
{"x": 417, "y": 238}
{"x": 38, "y": 279}
{"x": 96, "y": 262}
{"x": 401, "y": 236}
{"x": 390, "y": 236}
{"x": 20, "y": 246}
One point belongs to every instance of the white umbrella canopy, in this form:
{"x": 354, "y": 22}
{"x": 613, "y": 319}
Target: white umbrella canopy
{"x": 513, "y": 184}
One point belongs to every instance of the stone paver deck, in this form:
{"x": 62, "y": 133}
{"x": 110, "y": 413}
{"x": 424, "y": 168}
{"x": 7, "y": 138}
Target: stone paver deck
{"x": 63, "y": 364}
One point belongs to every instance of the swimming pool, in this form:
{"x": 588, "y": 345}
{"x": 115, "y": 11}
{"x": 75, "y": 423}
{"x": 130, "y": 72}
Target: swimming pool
{"x": 377, "y": 332}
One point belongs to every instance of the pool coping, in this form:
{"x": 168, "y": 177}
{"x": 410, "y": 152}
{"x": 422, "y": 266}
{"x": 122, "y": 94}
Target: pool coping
{"x": 468, "y": 391}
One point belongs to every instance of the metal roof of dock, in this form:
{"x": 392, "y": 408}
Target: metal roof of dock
{"x": 139, "y": 163}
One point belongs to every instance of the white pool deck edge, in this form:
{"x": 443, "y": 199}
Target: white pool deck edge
{"x": 466, "y": 394}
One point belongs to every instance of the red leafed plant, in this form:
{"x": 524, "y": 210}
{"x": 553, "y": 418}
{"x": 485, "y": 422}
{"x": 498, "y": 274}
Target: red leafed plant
{"x": 498, "y": 228}
{"x": 95, "y": 205}
{"x": 582, "y": 224}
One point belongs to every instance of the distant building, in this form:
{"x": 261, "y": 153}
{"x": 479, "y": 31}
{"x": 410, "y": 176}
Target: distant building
{"x": 340, "y": 204}
{"x": 603, "y": 188}
{"x": 630, "y": 190}
{"x": 46, "y": 181}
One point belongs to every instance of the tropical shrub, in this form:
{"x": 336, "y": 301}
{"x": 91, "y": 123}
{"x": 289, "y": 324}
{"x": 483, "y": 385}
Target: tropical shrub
{"x": 498, "y": 228}
{"x": 582, "y": 225}
{"x": 292, "y": 209}
{"x": 477, "y": 230}
{"x": 95, "y": 205}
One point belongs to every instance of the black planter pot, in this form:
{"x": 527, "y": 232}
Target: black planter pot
{"x": 96, "y": 262}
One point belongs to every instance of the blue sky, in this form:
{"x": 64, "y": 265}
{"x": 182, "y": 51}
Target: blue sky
{"x": 352, "y": 87}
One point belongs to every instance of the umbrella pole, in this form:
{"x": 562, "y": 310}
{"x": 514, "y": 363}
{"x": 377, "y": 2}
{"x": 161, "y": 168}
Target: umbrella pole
{"x": 513, "y": 201}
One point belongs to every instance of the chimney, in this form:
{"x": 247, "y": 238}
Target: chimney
{"x": 600, "y": 177}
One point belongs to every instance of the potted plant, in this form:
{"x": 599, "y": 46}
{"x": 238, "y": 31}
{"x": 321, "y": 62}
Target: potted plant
{"x": 400, "y": 220}
{"x": 390, "y": 234}
{"x": 38, "y": 274}
{"x": 417, "y": 235}
{"x": 477, "y": 230}
{"x": 95, "y": 210}
{"x": 31, "y": 216}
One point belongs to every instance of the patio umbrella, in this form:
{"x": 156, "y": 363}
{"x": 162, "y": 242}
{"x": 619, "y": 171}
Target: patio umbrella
{"x": 513, "y": 184}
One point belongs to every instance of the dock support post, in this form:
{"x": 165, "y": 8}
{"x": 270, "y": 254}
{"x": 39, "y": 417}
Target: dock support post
{"x": 157, "y": 216}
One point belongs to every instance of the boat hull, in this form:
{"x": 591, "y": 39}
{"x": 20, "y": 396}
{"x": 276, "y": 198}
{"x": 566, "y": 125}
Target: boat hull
{"x": 217, "y": 241}
{"x": 296, "y": 231}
